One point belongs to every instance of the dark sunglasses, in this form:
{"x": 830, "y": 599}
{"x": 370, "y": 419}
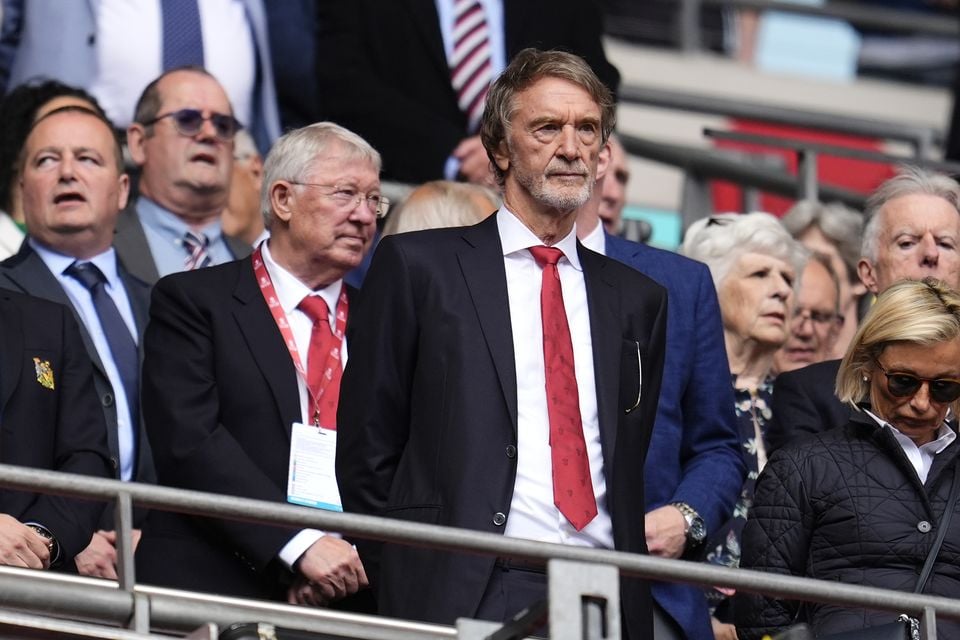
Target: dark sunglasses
{"x": 902, "y": 385}
{"x": 189, "y": 122}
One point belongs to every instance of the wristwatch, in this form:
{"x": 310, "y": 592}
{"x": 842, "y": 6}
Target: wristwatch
{"x": 696, "y": 531}
{"x": 48, "y": 538}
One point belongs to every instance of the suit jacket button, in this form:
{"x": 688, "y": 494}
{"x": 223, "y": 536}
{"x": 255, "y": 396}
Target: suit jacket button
{"x": 114, "y": 463}
{"x": 511, "y": 451}
{"x": 924, "y": 527}
{"x": 499, "y": 519}
{"x": 106, "y": 399}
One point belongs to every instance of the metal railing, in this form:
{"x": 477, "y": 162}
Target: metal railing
{"x": 923, "y": 139}
{"x": 140, "y": 608}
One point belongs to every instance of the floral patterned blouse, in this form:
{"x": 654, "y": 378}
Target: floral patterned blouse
{"x": 753, "y": 415}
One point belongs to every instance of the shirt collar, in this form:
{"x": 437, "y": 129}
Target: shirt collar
{"x": 516, "y": 236}
{"x": 945, "y": 435}
{"x": 596, "y": 240}
{"x": 170, "y": 226}
{"x": 58, "y": 263}
{"x": 291, "y": 291}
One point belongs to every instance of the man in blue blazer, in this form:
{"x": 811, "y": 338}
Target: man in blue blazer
{"x": 695, "y": 468}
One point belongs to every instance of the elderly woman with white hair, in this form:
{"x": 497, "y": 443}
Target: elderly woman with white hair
{"x": 754, "y": 263}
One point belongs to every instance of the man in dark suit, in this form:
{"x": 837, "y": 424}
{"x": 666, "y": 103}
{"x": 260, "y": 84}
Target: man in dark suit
{"x": 73, "y": 189}
{"x": 51, "y": 420}
{"x": 385, "y": 70}
{"x": 912, "y": 232}
{"x": 444, "y": 414}
{"x": 182, "y": 140}
{"x": 695, "y": 468}
{"x": 230, "y": 379}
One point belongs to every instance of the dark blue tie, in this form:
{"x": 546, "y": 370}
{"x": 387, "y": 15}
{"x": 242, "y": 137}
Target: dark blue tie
{"x": 122, "y": 346}
{"x": 182, "y": 38}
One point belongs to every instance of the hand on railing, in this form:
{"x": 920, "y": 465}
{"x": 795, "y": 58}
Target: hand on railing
{"x": 21, "y": 546}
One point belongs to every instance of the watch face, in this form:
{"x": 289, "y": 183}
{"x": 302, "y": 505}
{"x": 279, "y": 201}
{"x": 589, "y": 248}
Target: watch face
{"x": 697, "y": 531}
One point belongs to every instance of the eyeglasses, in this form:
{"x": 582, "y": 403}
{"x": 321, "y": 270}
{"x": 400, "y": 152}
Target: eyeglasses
{"x": 189, "y": 122}
{"x": 350, "y": 197}
{"x": 822, "y": 319}
{"x": 902, "y": 385}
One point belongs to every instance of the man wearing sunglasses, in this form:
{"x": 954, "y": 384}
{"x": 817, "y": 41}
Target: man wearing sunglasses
{"x": 912, "y": 232}
{"x": 182, "y": 140}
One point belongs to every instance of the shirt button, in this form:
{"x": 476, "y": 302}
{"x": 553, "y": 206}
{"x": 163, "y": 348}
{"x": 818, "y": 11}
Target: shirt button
{"x": 923, "y": 526}
{"x": 499, "y": 519}
{"x": 511, "y": 451}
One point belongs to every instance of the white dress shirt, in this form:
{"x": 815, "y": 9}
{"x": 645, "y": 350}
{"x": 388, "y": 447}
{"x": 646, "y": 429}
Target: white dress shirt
{"x": 130, "y": 53}
{"x": 82, "y": 302}
{"x": 921, "y": 457}
{"x": 596, "y": 240}
{"x": 533, "y": 514}
{"x": 290, "y": 292}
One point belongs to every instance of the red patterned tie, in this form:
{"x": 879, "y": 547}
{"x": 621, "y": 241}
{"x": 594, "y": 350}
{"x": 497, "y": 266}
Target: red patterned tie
{"x": 323, "y": 362}
{"x": 572, "y": 488}
{"x": 470, "y": 69}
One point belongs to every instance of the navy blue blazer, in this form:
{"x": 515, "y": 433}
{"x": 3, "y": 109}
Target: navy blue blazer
{"x": 694, "y": 454}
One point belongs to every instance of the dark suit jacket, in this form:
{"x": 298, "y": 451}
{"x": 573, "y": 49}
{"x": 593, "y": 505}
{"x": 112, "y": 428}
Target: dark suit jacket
{"x": 384, "y": 74}
{"x": 695, "y": 453}
{"x": 219, "y": 398}
{"x": 428, "y": 409}
{"x": 59, "y": 429}
{"x": 804, "y": 402}
{"x": 27, "y": 273}
{"x": 130, "y": 243}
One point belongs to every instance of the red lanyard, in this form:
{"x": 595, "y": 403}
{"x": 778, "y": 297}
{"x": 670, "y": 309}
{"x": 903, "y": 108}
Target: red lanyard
{"x": 276, "y": 310}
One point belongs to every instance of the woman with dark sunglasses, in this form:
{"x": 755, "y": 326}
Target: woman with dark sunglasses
{"x": 860, "y": 504}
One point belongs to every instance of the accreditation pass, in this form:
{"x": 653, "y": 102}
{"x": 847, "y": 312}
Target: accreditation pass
{"x": 311, "y": 480}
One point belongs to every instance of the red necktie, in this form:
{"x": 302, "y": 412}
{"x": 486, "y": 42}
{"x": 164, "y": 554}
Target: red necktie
{"x": 323, "y": 362}
{"x": 572, "y": 488}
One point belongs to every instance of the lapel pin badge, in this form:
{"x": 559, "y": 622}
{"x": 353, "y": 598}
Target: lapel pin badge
{"x": 44, "y": 373}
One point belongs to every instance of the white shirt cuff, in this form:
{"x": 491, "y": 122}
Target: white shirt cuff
{"x": 297, "y": 545}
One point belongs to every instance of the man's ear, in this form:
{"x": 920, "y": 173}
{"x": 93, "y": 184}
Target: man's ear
{"x": 136, "y": 137}
{"x": 868, "y": 275}
{"x": 502, "y": 156}
{"x": 603, "y": 160}
{"x": 280, "y": 196}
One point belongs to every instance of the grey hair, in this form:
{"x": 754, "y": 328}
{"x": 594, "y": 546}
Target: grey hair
{"x": 839, "y": 224}
{"x": 719, "y": 241}
{"x": 910, "y": 180}
{"x": 438, "y": 204}
{"x": 824, "y": 260}
{"x": 243, "y": 146}
{"x": 292, "y": 156}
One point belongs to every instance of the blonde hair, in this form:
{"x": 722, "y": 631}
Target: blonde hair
{"x": 441, "y": 203}
{"x": 924, "y": 313}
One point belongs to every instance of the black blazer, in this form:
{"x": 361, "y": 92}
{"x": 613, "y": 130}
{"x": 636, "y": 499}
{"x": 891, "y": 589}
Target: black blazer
{"x": 804, "y": 402}
{"x": 384, "y": 74}
{"x": 50, "y": 415}
{"x": 428, "y": 409}
{"x": 219, "y": 398}
{"x": 27, "y": 273}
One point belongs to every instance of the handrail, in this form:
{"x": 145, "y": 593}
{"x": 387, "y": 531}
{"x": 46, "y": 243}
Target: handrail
{"x": 922, "y": 138}
{"x": 712, "y": 163}
{"x": 453, "y": 539}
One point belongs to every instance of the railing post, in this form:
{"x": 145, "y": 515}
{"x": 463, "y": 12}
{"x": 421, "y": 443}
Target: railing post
{"x": 584, "y": 601}
{"x": 807, "y": 172}
{"x": 469, "y": 629}
{"x": 928, "y": 624}
{"x": 688, "y": 26}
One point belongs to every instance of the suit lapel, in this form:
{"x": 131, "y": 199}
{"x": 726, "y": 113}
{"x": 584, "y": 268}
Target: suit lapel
{"x": 11, "y": 358}
{"x": 481, "y": 261}
{"x": 32, "y": 276}
{"x": 266, "y": 346}
{"x": 606, "y": 336}
{"x": 138, "y": 292}
{"x": 424, "y": 15}
{"x": 132, "y": 248}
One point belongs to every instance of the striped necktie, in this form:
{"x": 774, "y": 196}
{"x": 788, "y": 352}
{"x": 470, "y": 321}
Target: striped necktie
{"x": 195, "y": 244}
{"x": 470, "y": 66}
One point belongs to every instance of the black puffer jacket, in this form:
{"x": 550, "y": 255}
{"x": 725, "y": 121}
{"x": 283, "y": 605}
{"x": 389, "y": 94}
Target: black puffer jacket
{"x": 846, "y": 505}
